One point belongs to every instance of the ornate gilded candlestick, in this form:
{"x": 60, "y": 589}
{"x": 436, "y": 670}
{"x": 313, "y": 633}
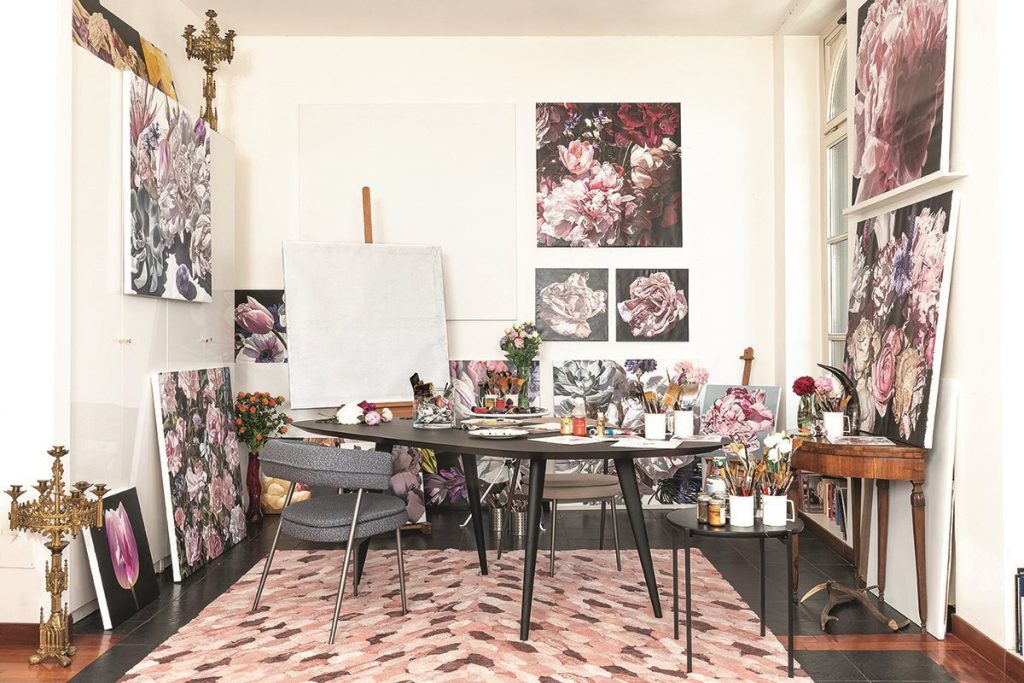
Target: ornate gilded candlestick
{"x": 56, "y": 515}
{"x": 210, "y": 48}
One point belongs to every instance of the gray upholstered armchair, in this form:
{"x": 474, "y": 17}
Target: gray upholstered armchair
{"x": 335, "y": 518}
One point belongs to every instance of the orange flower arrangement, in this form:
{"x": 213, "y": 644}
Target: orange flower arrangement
{"x": 257, "y": 417}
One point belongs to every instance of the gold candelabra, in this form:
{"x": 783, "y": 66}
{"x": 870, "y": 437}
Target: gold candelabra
{"x": 210, "y": 48}
{"x": 57, "y": 515}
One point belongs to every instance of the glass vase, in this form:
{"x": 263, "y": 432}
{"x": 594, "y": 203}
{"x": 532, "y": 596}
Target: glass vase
{"x": 807, "y": 413}
{"x": 523, "y": 373}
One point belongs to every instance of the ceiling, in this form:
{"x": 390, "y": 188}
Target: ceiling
{"x": 508, "y": 17}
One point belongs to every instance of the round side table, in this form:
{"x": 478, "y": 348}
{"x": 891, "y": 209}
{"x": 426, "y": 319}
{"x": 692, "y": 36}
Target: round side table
{"x": 684, "y": 523}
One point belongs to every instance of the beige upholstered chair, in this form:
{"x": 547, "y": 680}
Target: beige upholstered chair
{"x": 566, "y": 488}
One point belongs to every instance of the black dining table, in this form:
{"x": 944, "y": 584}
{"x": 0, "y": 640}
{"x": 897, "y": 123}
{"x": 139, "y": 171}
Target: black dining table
{"x": 400, "y": 432}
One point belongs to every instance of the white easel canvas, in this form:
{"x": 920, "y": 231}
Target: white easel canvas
{"x": 362, "y": 318}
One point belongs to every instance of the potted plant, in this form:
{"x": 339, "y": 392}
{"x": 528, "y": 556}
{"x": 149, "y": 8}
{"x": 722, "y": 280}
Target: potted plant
{"x": 521, "y": 344}
{"x": 257, "y": 418}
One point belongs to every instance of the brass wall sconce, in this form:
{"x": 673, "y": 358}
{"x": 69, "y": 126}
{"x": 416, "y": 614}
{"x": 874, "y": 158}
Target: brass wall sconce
{"x": 210, "y": 48}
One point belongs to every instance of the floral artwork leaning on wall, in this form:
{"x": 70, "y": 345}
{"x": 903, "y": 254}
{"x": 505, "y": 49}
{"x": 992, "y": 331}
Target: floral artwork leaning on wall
{"x": 608, "y": 175}
{"x": 898, "y": 295}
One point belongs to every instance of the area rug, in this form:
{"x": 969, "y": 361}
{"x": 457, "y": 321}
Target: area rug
{"x": 590, "y": 623}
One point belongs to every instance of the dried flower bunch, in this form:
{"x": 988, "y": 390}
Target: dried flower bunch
{"x": 257, "y": 417}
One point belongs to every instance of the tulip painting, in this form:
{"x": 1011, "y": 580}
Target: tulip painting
{"x": 124, "y": 551}
{"x": 261, "y": 334}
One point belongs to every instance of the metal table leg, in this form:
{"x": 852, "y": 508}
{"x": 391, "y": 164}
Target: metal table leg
{"x": 634, "y": 506}
{"x": 675, "y": 585}
{"x": 790, "y": 602}
{"x": 761, "y": 613}
{"x": 473, "y": 488}
{"x": 689, "y": 611}
{"x": 532, "y": 538}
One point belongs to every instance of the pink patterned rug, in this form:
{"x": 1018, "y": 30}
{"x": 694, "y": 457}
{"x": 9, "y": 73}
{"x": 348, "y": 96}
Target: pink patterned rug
{"x": 590, "y": 623}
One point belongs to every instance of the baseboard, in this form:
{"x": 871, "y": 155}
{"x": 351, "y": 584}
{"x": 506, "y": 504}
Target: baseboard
{"x": 20, "y": 634}
{"x": 1004, "y": 660}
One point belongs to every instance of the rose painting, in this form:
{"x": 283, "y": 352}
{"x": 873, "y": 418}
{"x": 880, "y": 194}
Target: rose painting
{"x": 261, "y": 334}
{"x": 200, "y": 464}
{"x": 901, "y": 107}
{"x": 168, "y": 229}
{"x": 898, "y": 294}
{"x": 653, "y": 305}
{"x": 572, "y": 304}
{"x": 608, "y": 175}
{"x": 120, "y": 560}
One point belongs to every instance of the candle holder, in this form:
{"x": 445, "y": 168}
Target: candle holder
{"x": 57, "y": 515}
{"x": 210, "y": 48}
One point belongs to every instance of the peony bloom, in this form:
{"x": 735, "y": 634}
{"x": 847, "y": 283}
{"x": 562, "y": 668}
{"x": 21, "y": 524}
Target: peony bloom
{"x": 386, "y": 415}
{"x": 823, "y": 385}
{"x": 578, "y": 157}
{"x": 568, "y": 306}
{"x": 179, "y": 517}
{"x": 644, "y": 124}
{"x": 901, "y": 64}
{"x": 586, "y": 210}
{"x": 124, "y": 551}
{"x": 883, "y": 290}
{"x": 908, "y": 397}
{"x": 928, "y": 255}
{"x": 654, "y": 167}
{"x": 195, "y": 480}
{"x": 549, "y": 123}
{"x": 264, "y": 348}
{"x": 349, "y": 414}
{"x": 860, "y": 274}
{"x": 654, "y": 306}
{"x": 201, "y": 247}
{"x": 804, "y": 386}
{"x": 739, "y": 415}
{"x": 372, "y": 418}
{"x": 883, "y": 371}
{"x": 253, "y": 317}
{"x": 168, "y": 387}
{"x": 231, "y": 450}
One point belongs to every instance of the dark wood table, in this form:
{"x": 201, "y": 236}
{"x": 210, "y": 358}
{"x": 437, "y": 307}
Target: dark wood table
{"x": 458, "y": 442}
{"x": 896, "y": 462}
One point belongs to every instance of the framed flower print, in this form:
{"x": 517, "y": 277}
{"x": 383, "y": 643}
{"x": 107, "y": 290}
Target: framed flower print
{"x": 652, "y": 305}
{"x": 572, "y": 304}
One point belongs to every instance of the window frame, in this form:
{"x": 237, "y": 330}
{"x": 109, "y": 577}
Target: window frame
{"x": 834, "y": 48}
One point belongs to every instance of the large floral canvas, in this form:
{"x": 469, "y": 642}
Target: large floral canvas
{"x": 168, "y": 230}
{"x": 119, "y": 559}
{"x": 572, "y": 304}
{"x": 898, "y": 293}
{"x": 652, "y": 305}
{"x": 608, "y": 175}
{"x": 902, "y": 93}
{"x": 261, "y": 326}
{"x": 199, "y": 460}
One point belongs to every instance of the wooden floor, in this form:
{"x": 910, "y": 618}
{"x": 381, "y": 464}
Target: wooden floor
{"x": 14, "y": 666}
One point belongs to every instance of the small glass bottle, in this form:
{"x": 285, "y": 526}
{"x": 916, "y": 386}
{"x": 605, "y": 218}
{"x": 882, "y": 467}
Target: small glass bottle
{"x": 579, "y": 418}
{"x": 703, "y": 500}
{"x": 600, "y": 424}
{"x": 566, "y": 425}
{"x": 716, "y": 511}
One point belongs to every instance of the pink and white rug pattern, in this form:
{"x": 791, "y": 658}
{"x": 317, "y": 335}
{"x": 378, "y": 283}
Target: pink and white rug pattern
{"x": 590, "y": 623}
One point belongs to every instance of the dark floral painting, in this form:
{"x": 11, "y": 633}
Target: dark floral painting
{"x": 200, "y": 464}
{"x": 898, "y": 293}
{"x": 744, "y": 414}
{"x": 572, "y": 304}
{"x": 653, "y": 305}
{"x": 608, "y": 175}
{"x": 901, "y": 107}
{"x": 261, "y": 333}
{"x": 168, "y": 229}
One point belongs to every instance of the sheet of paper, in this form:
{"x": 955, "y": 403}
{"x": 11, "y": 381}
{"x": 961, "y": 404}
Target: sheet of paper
{"x": 570, "y": 440}
{"x": 637, "y": 442}
{"x": 862, "y": 441}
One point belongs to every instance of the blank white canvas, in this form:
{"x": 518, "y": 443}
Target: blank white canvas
{"x": 901, "y": 567}
{"x": 362, "y": 318}
{"x": 447, "y": 171}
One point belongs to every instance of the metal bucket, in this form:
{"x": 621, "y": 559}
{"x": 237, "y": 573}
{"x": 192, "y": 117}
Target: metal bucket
{"x": 497, "y": 518}
{"x": 519, "y": 523}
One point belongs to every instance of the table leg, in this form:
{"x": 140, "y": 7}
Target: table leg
{"x": 761, "y": 613}
{"x": 532, "y": 537}
{"x": 675, "y": 585}
{"x": 689, "y": 611}
{"x": 917, "y": 505}
{"x": 853, "y": 518}
{"x": 473, "y": 489}
{"x": 634, "y": 507}
{"x": 796, "y": 494}
{"x": 791, "y": 603}
{"x": 883, "y": 533}
{"x": 865, "y": 530}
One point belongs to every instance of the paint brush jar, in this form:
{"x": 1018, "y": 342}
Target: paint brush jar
{"x": 433, "y": 410}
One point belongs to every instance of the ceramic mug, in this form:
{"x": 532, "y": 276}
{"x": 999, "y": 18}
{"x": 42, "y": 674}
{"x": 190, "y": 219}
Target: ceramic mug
{"x": 683, "y": 423}
{"x": 741, "y": 510}
{"x": 836, "y": 424}
{"x": 654, "y": 426}
{"x": 777, "y": 510}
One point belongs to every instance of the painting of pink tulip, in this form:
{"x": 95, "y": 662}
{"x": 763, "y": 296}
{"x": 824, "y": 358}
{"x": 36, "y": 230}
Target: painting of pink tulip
{"x": 261, "y": 333}
{"x": 120, "y": 561}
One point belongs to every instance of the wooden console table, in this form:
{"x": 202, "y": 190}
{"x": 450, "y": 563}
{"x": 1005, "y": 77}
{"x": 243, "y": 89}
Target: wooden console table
{"x": 883, "y": 464}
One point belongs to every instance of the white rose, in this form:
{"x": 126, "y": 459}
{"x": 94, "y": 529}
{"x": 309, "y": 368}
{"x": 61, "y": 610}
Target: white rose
{"x": 773, "y": 455}
{"x": 786, "y": 446}
{"x": 771, "y": 441}
{"x": 349, "y": 414}
{"x": 386, "y": 415}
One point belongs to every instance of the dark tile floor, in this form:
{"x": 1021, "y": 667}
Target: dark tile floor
{"x": 737, "y": 560}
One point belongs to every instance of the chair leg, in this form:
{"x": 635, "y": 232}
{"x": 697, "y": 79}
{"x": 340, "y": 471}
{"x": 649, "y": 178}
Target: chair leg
{"x": 554, "y": 514}
{"x": 357, "y": 575}
{"x": 604, "y": 513}
{"x": 270, "y": 556}
{"x": 401, "y": 569}
{"x": 513, "y": 484}
{"x": 615, "y": 534}
{"x": 344, "y": 567}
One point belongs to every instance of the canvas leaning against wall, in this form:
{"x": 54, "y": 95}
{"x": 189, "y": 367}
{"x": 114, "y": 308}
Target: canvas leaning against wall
{"x": 902, "y": 93}
{"x": 261, "y": 326}
{"x": 899, "y": 291}
{"x": 199, "y": 461}
{"x": 608, "y": 175}
{"x": 168, "y": 229}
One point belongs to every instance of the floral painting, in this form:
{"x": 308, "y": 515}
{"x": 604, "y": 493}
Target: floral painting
{"x": 261, "y": 333}
{"x": 572, "y": 304}
{"x": 200, "y": 464}
{"x": 608, "y": 175}
{"x": 901, "y": 109}
{"x": 469, "y": 378}
{"x": 107, "y": 36}
{"x": 741, "y": 413}
{"x": 653, "y": 305}
{"x": 898, "y": 293}
{"x": 168, "y": 230}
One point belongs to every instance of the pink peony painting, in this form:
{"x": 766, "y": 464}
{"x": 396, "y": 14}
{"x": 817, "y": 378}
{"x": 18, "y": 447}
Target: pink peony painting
{"x": 901, "y": 108}
{"x": 653, "y": 305}
{"x": 608, "y": 175}
{"x": 572, "y": 304}
{"x": 897, "y": 315}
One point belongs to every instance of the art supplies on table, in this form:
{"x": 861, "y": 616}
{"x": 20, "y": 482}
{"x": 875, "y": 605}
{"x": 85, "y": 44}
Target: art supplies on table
{"x": 639, "y": 442}
{"x": 573, "y": 440}
{"x": 861, "y": 441}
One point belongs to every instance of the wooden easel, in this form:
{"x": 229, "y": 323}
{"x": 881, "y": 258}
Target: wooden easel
{"x": 747, "y": 357}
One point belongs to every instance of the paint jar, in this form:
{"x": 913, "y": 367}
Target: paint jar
{"x": 716, "y": 511}
{"x": 601, "y": 427}
{"x": 741, "y": 510}
{"x": 566, "y": 425}
{"x": 579, "y": 418}
{"x": 703, "y": 500}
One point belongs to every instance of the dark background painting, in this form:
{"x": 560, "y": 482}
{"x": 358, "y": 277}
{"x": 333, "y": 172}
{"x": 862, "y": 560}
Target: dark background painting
{"x": 624, "y": 277}
{"x": 597, "y": 279}
{"x": 119, "y": 602}
{"x": 273, "y": 300}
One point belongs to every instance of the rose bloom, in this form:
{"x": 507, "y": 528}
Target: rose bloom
{"x": 908, "y": 398}
{"x": 567, "y": 306}
{"x": 372, "y": 418}
{"x": 237, "y": 524}
{"x": 883, "y": 372}
{"x": 653, "y": 167}
{"x": 216, "y": 425}
{"x": 549, "y": 123}
{"x": 179, "y": 517}
{"x": 195, "y": 480}
{"x": 188, "y": 382}
{"x": 172, "y": 451}
{"x": 254, "y": 317}
{"x": 928, "y": 254}
{"x": 578, "y": 157}
{"x": 168, "y": 386}
{"x": 214, "y": 543}
{"x": 193, "y": 546}
{"x": 654, "y": 306}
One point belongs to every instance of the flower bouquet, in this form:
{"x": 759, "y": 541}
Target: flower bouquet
{"x": 363, "y": 412}
{"x": 521, "y": 344}
{"x": 257, "y": 418}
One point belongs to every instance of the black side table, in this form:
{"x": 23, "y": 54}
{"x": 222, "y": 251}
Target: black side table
{"x": 684, "y": 522}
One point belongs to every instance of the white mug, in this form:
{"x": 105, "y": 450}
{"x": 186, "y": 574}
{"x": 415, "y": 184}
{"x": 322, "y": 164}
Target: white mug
{"x": 741, "y": 510}
{"x": 654, "y": 426}
{"x": 777, "y": 510}
{"x": 683, "y": 426}
{"x": 836, "y": 425}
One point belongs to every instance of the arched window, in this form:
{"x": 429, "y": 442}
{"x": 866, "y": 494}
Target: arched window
{"x": 837, "y": 191}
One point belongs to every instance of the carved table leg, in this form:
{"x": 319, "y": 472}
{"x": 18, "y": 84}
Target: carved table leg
{"x": 917, "y": 505}
{"x": 867, "y": 494}
{"x": 883, "y": 534}
{"x": 853, "y": 519}
{"x": 796, "y": 494}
